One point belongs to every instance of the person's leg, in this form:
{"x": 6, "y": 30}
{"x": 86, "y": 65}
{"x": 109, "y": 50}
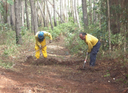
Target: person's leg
{"x": 44, "y": 51}
{"x": 94, "y": 53}
{"x": 44, "y": 48}
{"x": 37, "y": 54}
{"x": 92, "y": 59}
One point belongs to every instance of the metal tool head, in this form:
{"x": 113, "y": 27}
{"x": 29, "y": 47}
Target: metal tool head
{"x": 84, "y": 65}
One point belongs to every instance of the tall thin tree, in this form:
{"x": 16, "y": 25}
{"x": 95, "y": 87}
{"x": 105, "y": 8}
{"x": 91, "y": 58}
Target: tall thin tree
{"x": 22, "y": 12}
{"x": 61, "y": 10}
{"x": 12, "y": 16}
{"x": 26, "y": 11}
{"x": 57, "y": 13}
{"x": 85, "y": 16}
{"x": 34, "y": 25}
{"x": 18, "y": 22}
{"x": 55, "y": 23}
{"x": 109, "y": 31}
{"x": 94, "y": 11}
{"x": 49, "y": 15}
{"x": 76, "y": 13}
{"x": 42, "y": 12}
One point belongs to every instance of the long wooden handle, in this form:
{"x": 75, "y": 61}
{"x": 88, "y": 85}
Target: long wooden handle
{"x": 85, "y": 60}
{"x": 86, "y": 57}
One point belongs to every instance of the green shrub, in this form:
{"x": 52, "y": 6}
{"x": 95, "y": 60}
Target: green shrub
{"x": 6, "y": 64}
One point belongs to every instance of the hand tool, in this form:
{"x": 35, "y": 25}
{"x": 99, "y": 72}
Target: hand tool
{"x": 40, "y": 50}
{"x": 85, "y": 60}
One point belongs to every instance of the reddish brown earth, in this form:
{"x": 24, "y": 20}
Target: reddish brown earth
{"x": 62, "y": 72}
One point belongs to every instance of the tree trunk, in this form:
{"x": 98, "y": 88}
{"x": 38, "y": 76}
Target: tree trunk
{"x": 6, "y": 10}
{"x": 61, "y": 11}
{"x": 46, "y": 14}
{"x": 94, "y": 13}
{"x": 34, "y": 25}
{"x": 42, "y": 13}
{"x": 17, "y": 21}
{"x": 76, "y": 13}
{"x": 49, "y": 16}
{"x": 9, "y": 22}
{"x": 109, "y": 31}
{"x": 26, "y": 11}
{"x": 35, "y": 18}
{"x": 85, "y": 16}
{"x": 73, "y": 11}
{"x": 12, "y": 16}
{"x": 55, "y": 23}
{"x": 125, "y": 28}
{"x": 90, "y": 11}
{"x": 22, "y": 9}
{"x": 32, "y": 20}
{"x": 99, "y": 16}
{"x": 71, "y": 7}
{"x": 57, "y": 13}
{"x": 66, "y": 9}
{"x": 0, "y": 17}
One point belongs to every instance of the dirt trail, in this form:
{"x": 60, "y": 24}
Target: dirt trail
{"x": 59, "y": 73}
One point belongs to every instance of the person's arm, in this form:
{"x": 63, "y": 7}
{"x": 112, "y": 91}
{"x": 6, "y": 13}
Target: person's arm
{"x": 48, "y": 34}
{"x": 87, "y": 41}
{"x": 90, "y": 46}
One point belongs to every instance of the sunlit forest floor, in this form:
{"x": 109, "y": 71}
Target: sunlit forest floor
{"x": 61, "y": 72}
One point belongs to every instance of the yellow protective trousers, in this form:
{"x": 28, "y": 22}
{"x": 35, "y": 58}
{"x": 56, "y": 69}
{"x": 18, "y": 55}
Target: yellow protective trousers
{"x": 44, "y": 49}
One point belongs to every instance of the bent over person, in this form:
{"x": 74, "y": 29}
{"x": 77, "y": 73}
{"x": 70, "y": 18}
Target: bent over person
{"x": 41, "y": 43}
{"x": 93, "y": 46}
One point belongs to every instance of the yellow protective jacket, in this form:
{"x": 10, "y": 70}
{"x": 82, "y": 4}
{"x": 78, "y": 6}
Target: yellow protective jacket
{"x": 90, "y": 41}
{"x": 42, "y": 43}
{"x": 45, "y": 34}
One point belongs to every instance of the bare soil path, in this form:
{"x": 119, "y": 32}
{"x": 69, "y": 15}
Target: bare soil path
{"x": 59, "y": 73}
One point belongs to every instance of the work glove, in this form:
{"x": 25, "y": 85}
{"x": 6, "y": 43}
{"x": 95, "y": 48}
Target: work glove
{"x": 50, "y": 41}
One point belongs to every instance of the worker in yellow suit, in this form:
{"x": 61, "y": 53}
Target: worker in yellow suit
{"x": 41, "y": 43}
